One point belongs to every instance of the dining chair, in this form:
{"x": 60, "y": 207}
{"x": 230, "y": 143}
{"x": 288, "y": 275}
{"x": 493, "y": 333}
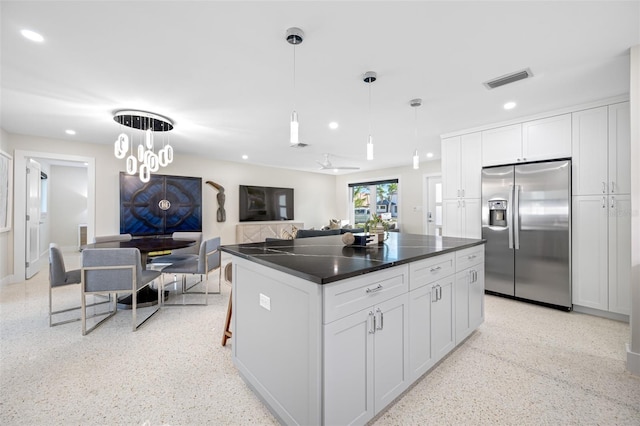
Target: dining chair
{"x": 60, "y": 277}
{"x": 113, "y": 271}
{"x": 209, "y": 257}
{"x": 178, "y": 255}
{"x": 107, "y": 238}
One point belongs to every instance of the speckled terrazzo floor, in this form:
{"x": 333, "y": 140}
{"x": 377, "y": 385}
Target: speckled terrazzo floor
{"x": 526, "y": 365}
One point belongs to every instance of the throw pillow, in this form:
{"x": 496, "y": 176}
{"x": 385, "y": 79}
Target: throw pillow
{"x": 286, "y": 235}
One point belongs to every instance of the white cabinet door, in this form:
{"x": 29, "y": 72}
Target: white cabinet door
{"x": 589, "y": 146}
{"x": 391, "y": 350}
{"x": 620, "y": 254}
{"x": 462, "y": 286}
{"x": 451, "y": 223}
{"x": 590, "y": 251}
{"x": 420, "y": 353}
{"x": 462, "y": 218}
{"x": 470, "y": 165}
{"x": 476, "y": 298}
{"x": 471, "y": 218}
{"x": 348, "y": 369}
{"x": 451, "y": 167}
{"x": 469, "y": 301}
{"x": 547, "y": 138}
{"x": 443, "y": 334}
{"x": 619, "y": 149}
{"x": 502, "y": 145}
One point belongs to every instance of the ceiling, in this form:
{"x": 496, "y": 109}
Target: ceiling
{"x": 223, "y": 71}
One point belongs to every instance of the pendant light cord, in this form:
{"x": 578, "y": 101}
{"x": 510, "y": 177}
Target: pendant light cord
{"x": 294, "y": 77}
{"x": 371, "y": 82}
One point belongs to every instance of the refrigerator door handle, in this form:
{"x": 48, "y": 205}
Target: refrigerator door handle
{"x": 510, "y": 215}
{"x": 516, "y": 217}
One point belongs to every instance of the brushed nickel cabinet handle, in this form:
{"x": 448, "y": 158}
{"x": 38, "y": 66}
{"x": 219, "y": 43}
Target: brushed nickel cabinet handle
{"x": 373, "y": 290}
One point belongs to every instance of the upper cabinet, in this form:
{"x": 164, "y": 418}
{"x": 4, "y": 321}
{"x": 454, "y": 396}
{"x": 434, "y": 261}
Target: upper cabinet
{"x": 547, "y": 138}
{"x": 502, "y": 145}
{"x": 619, "y": 148}
{"x": 601, "y": 150}
{"x": 543, "y": 139}
{"x": 461, "y": 166}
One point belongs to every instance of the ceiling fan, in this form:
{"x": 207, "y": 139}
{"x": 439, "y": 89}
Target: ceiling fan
{"x": 326, "y": 165}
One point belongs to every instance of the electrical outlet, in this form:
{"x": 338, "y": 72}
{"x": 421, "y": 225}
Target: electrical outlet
{"x": 265, "y": 302}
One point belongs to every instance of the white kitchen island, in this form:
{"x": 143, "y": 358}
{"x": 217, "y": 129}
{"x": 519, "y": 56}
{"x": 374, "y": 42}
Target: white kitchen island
{"x": 328, "y": 334}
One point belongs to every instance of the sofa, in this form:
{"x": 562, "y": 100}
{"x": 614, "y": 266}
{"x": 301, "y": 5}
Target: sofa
{"x": 307, "y": 233}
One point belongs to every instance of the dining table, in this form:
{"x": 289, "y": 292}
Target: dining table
{"x": 146, "y": 245}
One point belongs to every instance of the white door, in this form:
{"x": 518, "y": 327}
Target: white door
{"x": 32, "y": 243}
{"x": 434, "y": 206}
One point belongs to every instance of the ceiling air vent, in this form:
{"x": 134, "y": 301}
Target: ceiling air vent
{"x": 508, "y": 78}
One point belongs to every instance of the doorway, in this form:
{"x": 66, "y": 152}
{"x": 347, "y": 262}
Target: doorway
{"x": 433, "y": 207}
{"x": 21, "y": 161}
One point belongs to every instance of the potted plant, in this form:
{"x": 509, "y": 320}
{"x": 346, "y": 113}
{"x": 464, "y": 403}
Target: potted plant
{"x": 376, "y": 225}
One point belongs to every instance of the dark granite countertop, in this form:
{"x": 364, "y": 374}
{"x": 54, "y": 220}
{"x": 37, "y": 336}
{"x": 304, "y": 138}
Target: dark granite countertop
{"x": 323, "y": 260}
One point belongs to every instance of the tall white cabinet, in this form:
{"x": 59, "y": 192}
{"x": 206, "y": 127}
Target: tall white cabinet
{"x": 461, "y": 186}
{"x": 601, "y": 254}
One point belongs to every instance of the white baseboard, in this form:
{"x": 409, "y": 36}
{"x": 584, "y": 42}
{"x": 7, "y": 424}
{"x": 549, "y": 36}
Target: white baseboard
{"x": 633, "y": 361}
{"x": 6, "y": 280}
{"x": 600, "y": 313}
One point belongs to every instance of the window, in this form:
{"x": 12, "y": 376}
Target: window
{"x": 385, "y": 201}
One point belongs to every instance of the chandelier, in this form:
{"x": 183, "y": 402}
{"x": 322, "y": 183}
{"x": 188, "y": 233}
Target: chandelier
{"x": 145, "y": 160}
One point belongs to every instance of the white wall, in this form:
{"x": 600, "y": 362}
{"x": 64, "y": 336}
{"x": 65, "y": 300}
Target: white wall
{"x": 314, "y": 192}
{"x": 410, "y": 185}
{"x": 633, "y": 352}
{"x": 6, "y": 238}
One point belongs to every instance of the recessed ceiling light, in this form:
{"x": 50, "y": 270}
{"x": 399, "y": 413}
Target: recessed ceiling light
{"x": 32, "y": 35}
{"x": 510, "y": 105}
{"x": 429, "y": 154}
{"x": 333, "y": 125}
{"x": 245, "y": 157}
{"x": 70, "y": 132}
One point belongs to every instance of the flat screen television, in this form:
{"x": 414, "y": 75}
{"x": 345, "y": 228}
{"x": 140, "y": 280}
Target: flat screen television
{"x": 258, "y": 203}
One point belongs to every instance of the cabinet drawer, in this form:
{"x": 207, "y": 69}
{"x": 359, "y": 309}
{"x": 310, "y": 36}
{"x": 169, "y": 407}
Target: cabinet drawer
{"x": 469, "y": 257}
{"x": 429, "y": 270}
{"x": 354, "y": 294}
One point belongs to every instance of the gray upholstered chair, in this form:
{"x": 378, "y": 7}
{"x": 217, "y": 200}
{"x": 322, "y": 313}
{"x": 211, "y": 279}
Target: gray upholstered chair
{"x": 113, "y": 271}
{"x": 209, "y": 258}
{"x": 107, "y": 238}
{"x": 60, "y": 277}
{"x": 186, "y": 253}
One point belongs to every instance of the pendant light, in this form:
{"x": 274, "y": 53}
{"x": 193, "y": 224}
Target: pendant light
{"x": 415, "y": 103}
{"x": 370, "y": 77}
{"x": 294, "y": 36}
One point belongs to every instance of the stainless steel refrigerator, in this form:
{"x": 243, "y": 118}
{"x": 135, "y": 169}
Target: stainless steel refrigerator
{"x": 526, "y": 220}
